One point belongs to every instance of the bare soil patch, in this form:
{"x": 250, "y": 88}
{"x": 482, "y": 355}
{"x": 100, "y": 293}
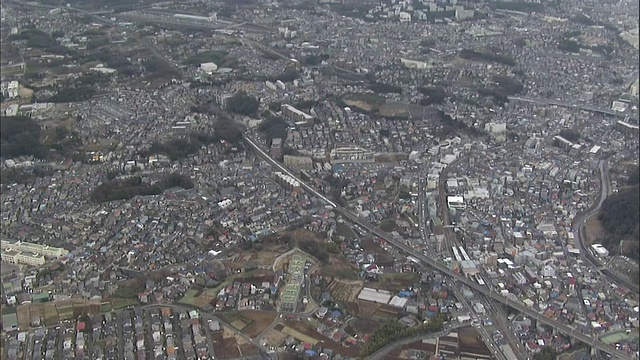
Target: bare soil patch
{"x": 339, "y": 267}
{"x": 225, "y": 348}
{"x": 260, "y": 320}
{"x": 366, "y": 309}
{"x": 383, "y": 258}
{"x": 593, "y": 230}
{"x": 275, "y": 337}
{"x": 344, "y": 291}
{"x": 361, "y": 326}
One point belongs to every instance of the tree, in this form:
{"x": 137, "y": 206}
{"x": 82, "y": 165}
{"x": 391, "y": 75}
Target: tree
{"x": 569, "y": 46}
{"x": 385, "y": 88}
{"x": 243, "y": 104}
{"x": 570, "y": 134}
{"x": 273, "y": 127}
{"x": 56, "y": 34}
{"x": 289, "y": 75}
{"x": 20, "y": 135}
{"x": 547, "y": 353}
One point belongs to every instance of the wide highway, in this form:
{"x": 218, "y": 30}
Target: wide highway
{"x": 437, "y": 264}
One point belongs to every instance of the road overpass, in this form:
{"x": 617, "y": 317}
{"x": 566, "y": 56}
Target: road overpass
{"x": 565, "y": 104}
{"x": 438, "y": 264}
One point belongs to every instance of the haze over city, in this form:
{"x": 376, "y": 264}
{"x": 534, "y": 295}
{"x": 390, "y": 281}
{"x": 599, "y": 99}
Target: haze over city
{"x": 319, "y": 179}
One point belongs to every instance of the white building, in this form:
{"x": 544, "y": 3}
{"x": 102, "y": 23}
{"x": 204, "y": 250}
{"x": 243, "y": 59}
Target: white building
{"x": 495, "y": 128}
{"x": 208, "y": 67}
{"x": 213, "y": 17}
{"x": 12, "y": 90}
{"x": 462, "y": 14}
{"x": 405, "y": 17}
{"x": 600, "y": 250}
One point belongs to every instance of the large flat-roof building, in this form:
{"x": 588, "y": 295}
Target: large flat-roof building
{"x": 376, "y": 296}
{"x": 28, "y": 253}
{"x": 45, "y": 250}
{"x": 276, "y": 148}
{"x": 296, "y": 115}
{"x": 290, "y": 294}
{"x": 298, "y": 162}
{"x": 18, "y": 257}
{"x": 351, "y": 154}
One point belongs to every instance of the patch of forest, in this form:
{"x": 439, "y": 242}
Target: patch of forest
{"x": 125, "y": 189}
{"x": 620, "y": 218}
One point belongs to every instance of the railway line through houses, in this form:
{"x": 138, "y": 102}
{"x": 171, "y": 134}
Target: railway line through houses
{"x": 439, "y": 265}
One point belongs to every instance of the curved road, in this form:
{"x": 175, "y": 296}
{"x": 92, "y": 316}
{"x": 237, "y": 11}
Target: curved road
{"x": 438, "y": 265}
{"x": 579, "y": 235}
{"x": 380, "y": 354}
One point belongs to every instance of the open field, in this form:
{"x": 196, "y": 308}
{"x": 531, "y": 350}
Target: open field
{"x": 385, "y": 313}
{"x": 364, "y": 101}
{"x": 188, "y": 298}
{"x": 374, "y": 103}
{"x": 25, "y": 92}
{"x": 345, "y": 231}
{"x": 383, "y": 258}
{"x": 248, "y": 349}
{"x": 593, "y": 230}
{"x": 394, "y": 281}
{"x": 238, "y": 324}
{"x": 339, "y": 267}
{"x": 366, "y": 309}
{"x": 469, "y": 342}
{"x": 260, "y": 320}
{"x": 361, "y": 326}
{"x": 344, "y": 291}
{"x": 225, "y": 347}
{"x": 121, "y": 303}
{"x": 275, "y": 337}
{"x": 204, "y": 299}
{"x": 262, "y": 259}
{"x": 618, "y": 336}
{"x": 234, "y": 319}
{"x": 298, "y": 335}
{"x": 24, "y": 316}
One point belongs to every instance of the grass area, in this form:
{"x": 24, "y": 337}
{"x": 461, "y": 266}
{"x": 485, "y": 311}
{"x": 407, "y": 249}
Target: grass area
{"x": 298, "y": 335}
{"x": 342, "y": 229}
{"x": 382, "y": 317}
{"x": 121, "y": 303}
{"x": 239, "y": 324}
{"x": 188, "y": 298}
{"x": 339, "y": 267}
{"x": 593, "y": 229}
{"x": 388, "y": 225}
{"x": 396, "y": 281}
{"x": 260, "y": 320}
{"x": 618, "y": 336}
{"x": 366, "y": 97}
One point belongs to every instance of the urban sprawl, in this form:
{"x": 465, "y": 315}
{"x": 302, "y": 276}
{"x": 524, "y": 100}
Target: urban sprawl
{"x": 322, "y": 179}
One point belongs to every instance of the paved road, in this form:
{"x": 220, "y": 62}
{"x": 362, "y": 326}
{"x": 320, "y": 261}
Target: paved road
{"x": 567, "y": 105}
{"x": 380, "y": 354}
{"x": 438, "y": 264}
